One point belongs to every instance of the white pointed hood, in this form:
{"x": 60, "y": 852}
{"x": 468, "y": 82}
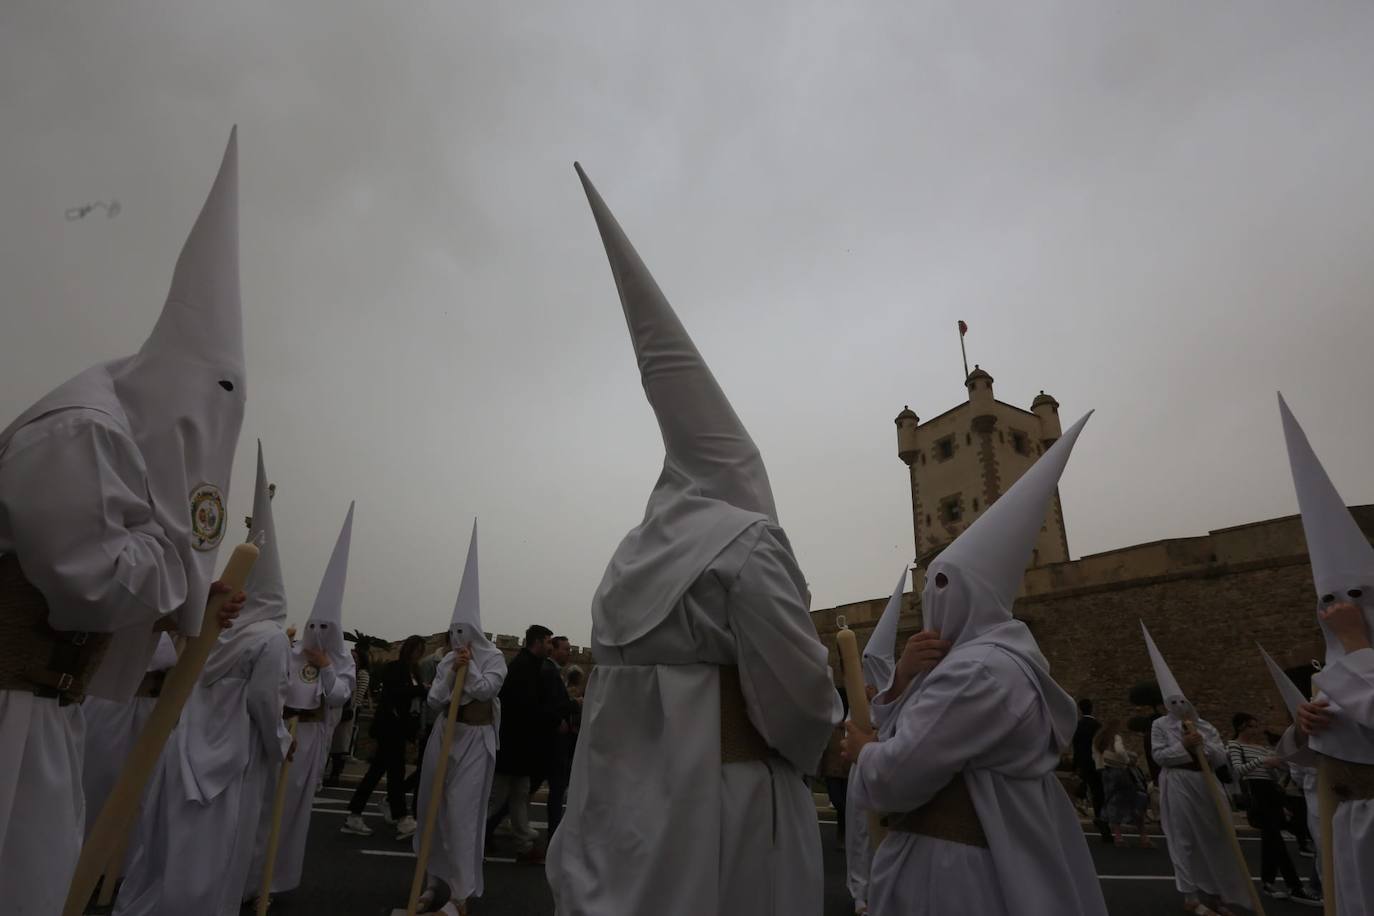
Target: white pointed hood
{"x": 1342, "y": 563}
{"x": 1342, "y": 557}
{"x": 181, "y": 399}
{"x": 985, "y": 564}
{"x": 465, "y": 627}
{"x": 1174, "y": 700}
{"x": 971, "y": 586}
{"x": 266, "y": 604}
{"x": 324, "y": 629}
{"x": 713, "y": 485}
{"x": 879, "y": 658}
{"x": 1292, "y": 696}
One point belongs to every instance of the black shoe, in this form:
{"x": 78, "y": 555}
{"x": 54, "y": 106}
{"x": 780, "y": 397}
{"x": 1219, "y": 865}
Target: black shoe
{"x": 1305, "y": 896}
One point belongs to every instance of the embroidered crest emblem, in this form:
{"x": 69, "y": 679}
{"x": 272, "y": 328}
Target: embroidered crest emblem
{"x": 310, "y": 674}
{"x": 207, "y": 517}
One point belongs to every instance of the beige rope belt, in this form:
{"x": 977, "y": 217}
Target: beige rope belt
{"x": 305, "y": 715}
{"x": 55, "y": 664}
{"x": 950, "y": 815}
{"x": 1350, "y": 781}
{"x": 740, "y": 741}
{"x": 477, "y": 712}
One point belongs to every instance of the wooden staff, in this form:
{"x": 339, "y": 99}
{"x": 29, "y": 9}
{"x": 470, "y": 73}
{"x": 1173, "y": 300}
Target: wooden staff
{"x": 436, "y": 791}
{"x": 115, "y": 819}
{"x": 848, "y": 647}
{"x": 114, "y": 871}
{"x": 1224, "y": 813}
{"x": 274, "y": 838}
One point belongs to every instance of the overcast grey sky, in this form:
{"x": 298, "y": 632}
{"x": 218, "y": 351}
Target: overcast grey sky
{"x": 1159, "y": 210}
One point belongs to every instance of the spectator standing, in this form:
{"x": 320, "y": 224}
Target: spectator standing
{"x": 1125, "y": 797}
{"x": 394, "y": 726}
{"x": 1255, "y": 768}
{"x": 1086, "y": 767}
{"x": 347, "y": 728}
{"x": 522, "y": 756}
{"x": 560, "y": 744}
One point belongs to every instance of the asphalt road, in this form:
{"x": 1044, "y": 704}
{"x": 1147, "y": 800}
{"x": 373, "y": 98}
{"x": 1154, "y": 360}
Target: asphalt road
{"x": 370, "y": 876}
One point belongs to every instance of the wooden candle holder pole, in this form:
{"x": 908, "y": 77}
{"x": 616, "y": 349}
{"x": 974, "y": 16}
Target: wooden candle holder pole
{"x": 274, "y": 838}
{"x": 111, "y": 827}
{"x": 1224, "y": 813}
{"x": 460, "y": 676}
{"x": 848, "y": 646}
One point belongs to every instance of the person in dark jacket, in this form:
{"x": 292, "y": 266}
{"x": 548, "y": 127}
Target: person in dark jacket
{"x": 528, "y": 720}
{"x": 555, "y": 692}
{"x": 395, "y": 724}
{"x": 1086, "y": 767}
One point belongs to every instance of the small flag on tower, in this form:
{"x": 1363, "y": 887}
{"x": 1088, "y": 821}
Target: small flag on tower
{"x": 963, "y": 329}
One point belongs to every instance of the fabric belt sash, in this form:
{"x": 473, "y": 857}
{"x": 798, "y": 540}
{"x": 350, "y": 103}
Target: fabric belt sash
{"x": 477, "y": 712}
{"x": 305, "y": 715}
{"x": 1350, "y": 781}
{"x": 950, "y": 815}
{"x": 740, "y": 741}
{"x": 54, "y": 664}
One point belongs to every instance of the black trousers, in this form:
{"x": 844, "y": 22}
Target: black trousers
{"x": 1267, "y": 816}
{"x": 560, "y": 769}
{"x": 1092, "y": 778}
{"x": 390, "y": 760}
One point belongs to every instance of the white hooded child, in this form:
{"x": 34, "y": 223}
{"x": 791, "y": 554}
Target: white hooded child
{"x": 320, "y": 676}
{"x": 201, "y": 816}
{"x": 878, "y": 664}
{"x": 1199, "y": 844}
{"x": 712, "y": 695}
{"x": 1338, "y": 727}
{"x": 455, "y": 862}
{"x": 112, "y": 494}
{"x": 1301, "y": 760}
{"x": 977, "y": 821}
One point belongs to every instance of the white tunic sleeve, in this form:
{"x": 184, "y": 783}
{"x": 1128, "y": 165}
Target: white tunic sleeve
{"x": 483, "y": 682}
{"x": 961, "y": 712}
{"x": 784, "y": 672}
{"x": 74, "y": 509}
{"x": 266, "y": 696}
{"x": 334, "y": 690}
{"x": 1349, "y": 684}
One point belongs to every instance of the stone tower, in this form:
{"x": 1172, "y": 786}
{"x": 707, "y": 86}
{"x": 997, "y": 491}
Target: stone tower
{"x": 966, "y": 457}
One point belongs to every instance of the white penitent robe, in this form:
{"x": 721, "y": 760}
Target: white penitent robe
{"x": 456, "y": 858}
{"x": 1198, "y": 844}
{"x": 201, "y": 819}
{"x": 977, "y": 716}
{"x": 74, "y": 511}
{"x": 1347, "y": 684}
{"x": 647, "y": 828}
{"x": 858, "y": 852}
{"x": 302, "y": 778}
{"x": 111, "y": 730}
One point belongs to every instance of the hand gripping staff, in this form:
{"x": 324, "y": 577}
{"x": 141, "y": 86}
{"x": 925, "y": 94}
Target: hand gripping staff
{"x": 115, "y": 820}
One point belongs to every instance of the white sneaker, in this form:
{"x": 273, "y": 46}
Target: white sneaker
{"x": 354, "y": 824}
{"x": 405, "y": 827}
{"x": 384, "y": 807}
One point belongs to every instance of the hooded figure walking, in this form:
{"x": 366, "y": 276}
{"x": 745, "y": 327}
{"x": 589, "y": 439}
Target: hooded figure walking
{"x": 878, "y": 664}
{"x": 1199, "y": 847}
{"x": 321, "y": 676}
{"x": 200, "y": 817}
{"x": 1338, "y": 726}
{"x": 712, "y": 694}
{"x": 977, "y": 822}
{"x": 455, "y": 861}
{"x": 112, "y": 495}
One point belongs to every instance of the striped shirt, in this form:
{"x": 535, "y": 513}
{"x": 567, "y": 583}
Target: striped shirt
{"x": 1247, "y": 761}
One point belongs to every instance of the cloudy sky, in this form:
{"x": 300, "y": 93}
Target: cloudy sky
{"x": 1159, "y": 210}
